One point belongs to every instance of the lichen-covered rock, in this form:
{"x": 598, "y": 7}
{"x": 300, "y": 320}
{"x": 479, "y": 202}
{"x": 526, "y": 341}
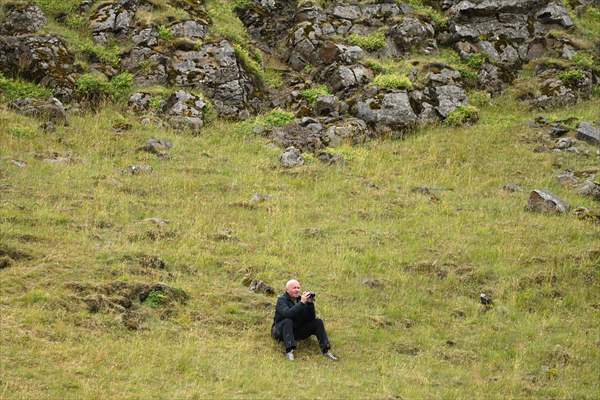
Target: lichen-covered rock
{"x": 148, "y": 66}
{"x": 291, "y": 157}
{"x": 113, "y": 19}
{"x": 41, "y": 59}
{"x": 304, "y": 44}
{"x": 306, "y": 136}
{"x": 346, "y": 78}
{"x": 391, "y": 110}
{"x": 21, "y": 19}
{"x": 555, "y": 13}
{"x": 546, "y": 202}
{"x": 52, "y": 109}
{"x": 189, "y": 29}
{"x": 589, "y": 133}
{"x": 140, "y": 101}
{"x": 412, "y": 33}
{"x": 216, "y": 69}
{"x": 185, "y": 111}
{"x": 350, "y": 130}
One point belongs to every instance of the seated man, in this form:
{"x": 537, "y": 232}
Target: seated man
{"x": 295, "y": 320}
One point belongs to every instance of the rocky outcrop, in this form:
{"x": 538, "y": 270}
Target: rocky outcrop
{"x": 216, "y": 70}
{"x": 22, "y": 19}
{"x": 51, "y": 109}
{"x": 185, "y": 111}
{"x": 41, "y": 59}
{"x": 113, "y": 20}
{"x": 387, "y": 110}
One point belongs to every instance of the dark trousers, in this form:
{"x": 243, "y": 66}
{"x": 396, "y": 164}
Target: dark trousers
{"x": 288, "y": 332}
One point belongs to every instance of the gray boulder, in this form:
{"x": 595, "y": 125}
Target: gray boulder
{"x": 140, "y": 101}
{"x": 447, "y": 98}
{"x": 588, "y": 132}
{"x": 590, "y": 188}
{"x": 555, "y": 13}
{"x": 51, "y": 109}
{"x": 148, "y": 66}
{"x": 352, "y": 130}
{"x": 304, "y": 44}
{"x": 185, "y": 111}
{"x": 216, "y": 70}
{"x": 22, "y": 19}
{"x": 291, "y": 157}
{"x": 327, "y": 105}
{"x": 392, "y": 110}
{"x": 42, "y": 59}
{"x": 346, "y": 78}
{"x": 113, "y": 19}
{"x": 546, "y": 202}
{"x": 412, "y": 33}
{"x": 189, "y": 29}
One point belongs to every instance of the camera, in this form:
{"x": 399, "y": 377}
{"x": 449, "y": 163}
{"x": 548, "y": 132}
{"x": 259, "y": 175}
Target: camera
{"x": 312, "y": 295}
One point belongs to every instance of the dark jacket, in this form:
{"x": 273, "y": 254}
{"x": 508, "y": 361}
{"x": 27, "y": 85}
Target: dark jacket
{"x": 293, "y": 309}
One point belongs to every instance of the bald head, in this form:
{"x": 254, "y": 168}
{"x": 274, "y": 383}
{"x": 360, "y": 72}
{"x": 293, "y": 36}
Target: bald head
{"x": 292, "y": 288}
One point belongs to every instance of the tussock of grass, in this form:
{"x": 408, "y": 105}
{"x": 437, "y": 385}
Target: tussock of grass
{"x": 311, "y": 94}
{"x": 392, "y": 81}
{"x": 373, "y": 42}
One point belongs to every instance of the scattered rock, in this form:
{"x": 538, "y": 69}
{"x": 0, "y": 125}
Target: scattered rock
{"x": 567, "y": 178}
{"x": 19, "y": 163}
{"x": 372, "y": 283}
{"x": 546, "y": 202}
{"x": 259, "y": 286}
{"x": 140, "y": 169}
{"x": 157, "y": 146}
{"x": 588, "y": 132}
{"x": 156, "y": 221}
{"x": 52, "y": 109}
{"x": 512, "y": 187}
{"x": 392, "y": 110}
{"x": 590, "y": 189}
{"x": 152, "y": 262}
{"x": 291, "y": 157}
{"x": 485, "y": 299}
{"x": 564, "y": 143}
{"x": 259, "y": 198}
{"x": 113, "y": 19}
{"x": 330, "y": 159}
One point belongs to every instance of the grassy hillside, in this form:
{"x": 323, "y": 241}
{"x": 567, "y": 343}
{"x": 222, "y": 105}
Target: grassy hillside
{"x": 72, "y": 226}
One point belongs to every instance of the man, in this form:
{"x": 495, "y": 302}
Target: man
{"x": 295, "y": 320}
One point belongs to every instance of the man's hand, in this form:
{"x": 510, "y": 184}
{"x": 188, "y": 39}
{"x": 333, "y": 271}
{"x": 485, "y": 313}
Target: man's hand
{"x": 304, "y": 298}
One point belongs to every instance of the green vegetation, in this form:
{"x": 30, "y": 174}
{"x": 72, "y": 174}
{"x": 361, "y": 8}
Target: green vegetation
{"x": 312, "y": 93}
{"x": 96, "y": 88}
{"x": 11, "y": 89}
{"x": 436, "y": 17}
{"x": 54, "y": 8}
{"x": 278, "y": 117}
{"x": 392, "y": 81}
{"x": 462, "y": 115}
{"x": 571, "y": 75}
{"x": 373, "y": 42}
{"x": 164, "y": 33}
{"x": 476, "y": 60}
{"x": 156, "y": 299}
{"x": 584, "y": 60}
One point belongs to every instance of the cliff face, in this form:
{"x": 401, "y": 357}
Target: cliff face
{"x": 388, "y": 65}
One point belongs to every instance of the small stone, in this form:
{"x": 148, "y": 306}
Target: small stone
{"x": 156, "y": 221}
{"x": 590, "y": 189}
{"x": 512, "y": 187}
{"x": 291, "y": 157}
{"x": 372, "y": 283}
{"x": 141, "y": 169}
{"x": 157, "y": 146}
{"x": 259, "y": 286}
{"x": 330, "y": 159}
{"x": 546, "y": 202}
{"x": 19, "y": 163}
{"x": 566, "y": 178}
{"x": 564, "y": 143}
{"x": 259, "y": 198}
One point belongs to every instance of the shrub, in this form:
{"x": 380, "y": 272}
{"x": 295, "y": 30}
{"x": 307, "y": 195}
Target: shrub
{"x": 372, "y": 42}
{"x": 571, "y": 75}
{"x": 165, "y": 33}
{"x": 311, "y": 94}
{"x": 14, "y": 89}
{"x": 392, "y": 81}
{"x": 96, "y": 87}
{"x": 476, "y": 60}
{"x": 462, "y": 115}
{"x": 583, "y": 60}
{"x": 278, "y": 117}
{"x": 109, "y": 55}
{"x": 156, "y": 299}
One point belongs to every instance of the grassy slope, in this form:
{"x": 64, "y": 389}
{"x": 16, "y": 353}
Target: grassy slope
{"x": 329, "y": 226}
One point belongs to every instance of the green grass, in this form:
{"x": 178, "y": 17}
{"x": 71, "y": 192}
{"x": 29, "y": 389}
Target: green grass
{"x": 373, "y": 42}
{"x": 423, "y": 335}
{"x": 97, "y": 87}
{"x": 11, "y": 89}
{"x": 311, "y": 94}
{"x": 462, "y": 115}
{"x": 392, "y": 81}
